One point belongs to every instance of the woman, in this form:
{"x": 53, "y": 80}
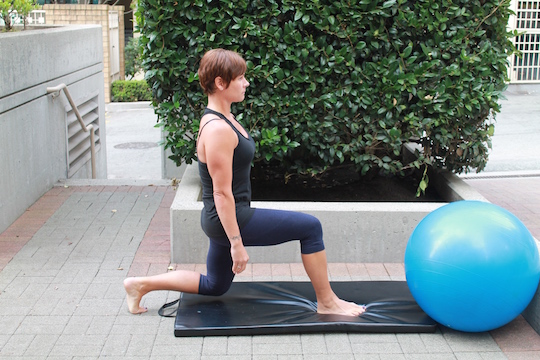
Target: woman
{"x": 225, "y": 152}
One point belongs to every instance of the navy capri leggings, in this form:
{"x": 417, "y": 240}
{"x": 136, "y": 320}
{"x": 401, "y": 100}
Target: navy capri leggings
{"x": 266, "y": 227}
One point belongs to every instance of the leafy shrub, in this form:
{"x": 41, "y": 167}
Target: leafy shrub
{"x": 338, "y": 83}
{"x": 132, "y": 56}
{"x": 130, "y": 90}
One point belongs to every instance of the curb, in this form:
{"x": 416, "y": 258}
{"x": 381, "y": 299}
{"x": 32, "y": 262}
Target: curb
{"x": 501, "y": 174}
{"x": 126, "y": 106}
{"x": 115, "y": 182}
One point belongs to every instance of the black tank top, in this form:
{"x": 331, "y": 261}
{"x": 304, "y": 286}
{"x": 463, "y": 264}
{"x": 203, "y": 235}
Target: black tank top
{"x": 241, "y": 184}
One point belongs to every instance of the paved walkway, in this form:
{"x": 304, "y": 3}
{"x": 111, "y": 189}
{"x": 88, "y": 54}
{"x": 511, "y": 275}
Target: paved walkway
{"x": 61, "y": 294}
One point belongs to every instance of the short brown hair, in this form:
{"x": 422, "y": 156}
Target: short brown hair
{"x": 219, "y": 63}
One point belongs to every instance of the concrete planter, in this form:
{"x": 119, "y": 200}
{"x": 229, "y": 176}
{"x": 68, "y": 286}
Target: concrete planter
{"x": 353, "y": 232}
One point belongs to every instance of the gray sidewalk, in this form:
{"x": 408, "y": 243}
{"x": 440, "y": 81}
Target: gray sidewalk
{"x": 132, "y": 142}
{"x": 62, "y": 264}
{"x": 516, "y": 145}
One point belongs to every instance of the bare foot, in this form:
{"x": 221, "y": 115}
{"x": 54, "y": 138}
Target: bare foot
{"x": 133, "y": 296}
{"x": 341, "y": 307}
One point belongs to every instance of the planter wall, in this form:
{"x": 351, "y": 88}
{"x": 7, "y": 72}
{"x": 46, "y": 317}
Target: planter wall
{"x": 33, "y": 129}
{"x": 353, "y": 232}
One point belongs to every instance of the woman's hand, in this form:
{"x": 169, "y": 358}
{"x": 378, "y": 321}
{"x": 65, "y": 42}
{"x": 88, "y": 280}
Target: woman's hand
{"x": 239, "y": 255}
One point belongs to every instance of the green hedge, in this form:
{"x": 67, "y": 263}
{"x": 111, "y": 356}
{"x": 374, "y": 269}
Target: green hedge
{"x": 130, "y": 90}
{"x": 132, "y": 58}
{"x": 338, "y": 83}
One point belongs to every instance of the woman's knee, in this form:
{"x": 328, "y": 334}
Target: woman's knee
{"x": 315, "y": 225}
{"x": 313, "y": 242}
{"x": 213, "y": 288}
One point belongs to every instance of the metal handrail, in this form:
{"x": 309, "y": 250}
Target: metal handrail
{"x": 89, "y": 128}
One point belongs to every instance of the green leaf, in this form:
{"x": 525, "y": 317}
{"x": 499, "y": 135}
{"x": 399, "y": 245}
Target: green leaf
{"x": 388, "y": 4}
{"x": 408, "y": 50}
{"x": 331, "y": 19}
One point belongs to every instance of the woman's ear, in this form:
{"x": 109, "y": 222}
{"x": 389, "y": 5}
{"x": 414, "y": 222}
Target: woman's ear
{"x": 220, "y": 84}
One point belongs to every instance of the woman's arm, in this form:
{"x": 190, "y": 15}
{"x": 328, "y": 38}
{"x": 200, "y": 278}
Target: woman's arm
{"x": 219, "y": 144}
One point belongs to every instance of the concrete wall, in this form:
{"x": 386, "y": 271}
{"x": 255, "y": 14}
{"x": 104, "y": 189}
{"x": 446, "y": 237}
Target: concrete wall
{"x": 65, "y": 14}
{"x": 532, "y": 312}
{"x": 169, "y": 170}
{"x": 33, "y": 145}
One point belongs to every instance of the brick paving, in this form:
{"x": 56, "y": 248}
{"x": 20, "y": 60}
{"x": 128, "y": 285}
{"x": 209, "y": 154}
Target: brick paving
{"x": 61, "y": 297}
{"x": 519, "y": 195}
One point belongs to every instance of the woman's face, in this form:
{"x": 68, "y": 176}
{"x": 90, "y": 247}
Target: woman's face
{"x": 236, "y": 91}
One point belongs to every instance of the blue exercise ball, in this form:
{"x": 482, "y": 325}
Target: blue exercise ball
{"x": 472, "y": 266}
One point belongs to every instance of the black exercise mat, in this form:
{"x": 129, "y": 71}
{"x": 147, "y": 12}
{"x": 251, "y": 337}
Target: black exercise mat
{"x": 255, "y": 308}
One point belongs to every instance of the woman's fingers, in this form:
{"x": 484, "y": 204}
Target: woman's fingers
{"x": 238, "y": 268}
{"x": 240, "y": 258}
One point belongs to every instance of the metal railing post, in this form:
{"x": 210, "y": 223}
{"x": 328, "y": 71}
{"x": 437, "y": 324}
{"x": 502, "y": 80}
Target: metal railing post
{"x": 89, "y": 128}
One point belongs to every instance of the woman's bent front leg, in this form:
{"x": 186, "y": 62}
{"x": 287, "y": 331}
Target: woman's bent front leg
{"x": 327, "y": 301}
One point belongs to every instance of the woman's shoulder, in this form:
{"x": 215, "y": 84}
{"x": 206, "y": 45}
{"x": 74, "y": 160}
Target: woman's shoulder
{"x": 213, "y": 122}
{"x": 216, "y": 128}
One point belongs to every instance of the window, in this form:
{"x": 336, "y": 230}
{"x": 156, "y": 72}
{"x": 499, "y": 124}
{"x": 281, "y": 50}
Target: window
{"x": 526, "y": 69}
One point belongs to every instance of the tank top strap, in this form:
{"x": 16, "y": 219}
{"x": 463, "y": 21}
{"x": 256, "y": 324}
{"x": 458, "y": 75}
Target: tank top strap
{"x": 201, "y": 129}
{"x": 210, "y": 111}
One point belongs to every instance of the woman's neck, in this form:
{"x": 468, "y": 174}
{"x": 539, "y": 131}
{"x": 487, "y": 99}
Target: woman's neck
{"x": 219, "y": 105}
